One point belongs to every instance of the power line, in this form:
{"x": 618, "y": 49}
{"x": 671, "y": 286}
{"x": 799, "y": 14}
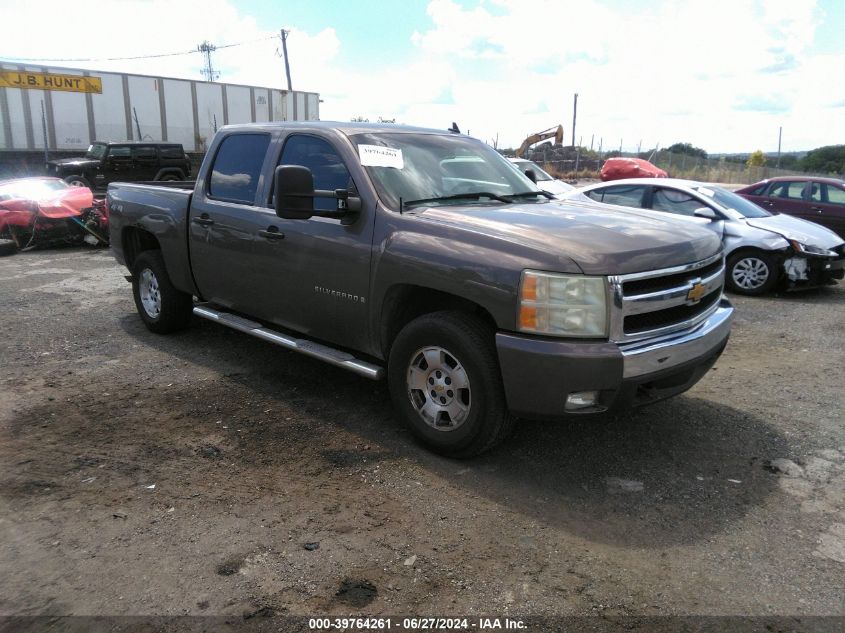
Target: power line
{"x": 115, "y": 59}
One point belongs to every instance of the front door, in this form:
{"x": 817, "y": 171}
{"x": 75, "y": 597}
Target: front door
{"x": 316, "y": 278}
{"x": 117, "y": 165}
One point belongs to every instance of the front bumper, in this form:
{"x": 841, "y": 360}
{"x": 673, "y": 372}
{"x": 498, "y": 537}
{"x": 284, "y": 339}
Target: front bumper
{"x": 539, "y": 373}
{"x": 803, "y": 271}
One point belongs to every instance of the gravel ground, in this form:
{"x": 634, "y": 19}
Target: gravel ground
{"x": 211, "y": 473}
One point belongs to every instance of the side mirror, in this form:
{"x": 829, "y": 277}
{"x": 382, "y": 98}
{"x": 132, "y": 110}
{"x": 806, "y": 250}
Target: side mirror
{"x": 532, "y": 176}
{"x": 293, "y": 192}
{"x": 706, "y": 212}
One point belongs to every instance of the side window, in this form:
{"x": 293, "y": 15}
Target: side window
{"x": 625, "y": 195}
{"x": 172, "y": 151}
{"x": 320, "y": 157}
{"x": 237, "y": 167}
{"x": 757, "y": 191}
{"x": 815, "y": 191}
{"x": 791, "y": 189}
{"x": 144, "y": 152}
{"x": 835, "y": 195}
{"x": 120, "y": 152}
{"x": 677, "y": 202}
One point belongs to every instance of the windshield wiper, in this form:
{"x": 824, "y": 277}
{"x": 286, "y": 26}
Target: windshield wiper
{"x": 476, "y": 195}
{"x": 526, "y": 194}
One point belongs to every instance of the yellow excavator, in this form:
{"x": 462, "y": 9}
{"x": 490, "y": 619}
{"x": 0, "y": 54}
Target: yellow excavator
{"x": 557, "y": 133}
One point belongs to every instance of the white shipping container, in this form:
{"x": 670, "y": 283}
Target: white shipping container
{"x": 131, "y": 107}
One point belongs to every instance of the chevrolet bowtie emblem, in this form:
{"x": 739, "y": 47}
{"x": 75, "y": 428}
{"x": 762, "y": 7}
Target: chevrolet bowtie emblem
{"x": 696, "y": 292}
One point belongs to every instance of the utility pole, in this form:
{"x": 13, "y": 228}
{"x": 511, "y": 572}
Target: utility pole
{"x": 574, "y": 116}
{"x": 780, "y": 134}
{"x": 284, "y": 33}
{"x": 592, "y": 139}
{"x": 207, "y": 48}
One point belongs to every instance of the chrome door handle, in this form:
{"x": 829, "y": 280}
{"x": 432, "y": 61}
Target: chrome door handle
{"x": 203, "y": 220}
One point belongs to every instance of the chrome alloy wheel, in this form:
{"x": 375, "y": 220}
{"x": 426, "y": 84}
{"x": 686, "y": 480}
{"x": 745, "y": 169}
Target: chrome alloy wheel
{"x": 150, "y": 293}
{"x": 750, "y": 273}
{"x": 439, "y": 389}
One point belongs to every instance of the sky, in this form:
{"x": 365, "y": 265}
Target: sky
{"x": 724, "y": 75}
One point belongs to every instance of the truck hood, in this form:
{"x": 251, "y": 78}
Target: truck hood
{"x": 599, "y": 239}
{"x": 793, "y": 228}
{"x": 74, "y": 162}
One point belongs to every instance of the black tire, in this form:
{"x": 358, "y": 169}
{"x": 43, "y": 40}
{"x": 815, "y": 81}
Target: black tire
{"x": 78, "y": 181}
{"x": 8, "y": 247}
{"x": 466, "y": 343}
{"x": 174, "y": 306}
{"x": 751, "y": 273}
{"x": 170, "y": 178}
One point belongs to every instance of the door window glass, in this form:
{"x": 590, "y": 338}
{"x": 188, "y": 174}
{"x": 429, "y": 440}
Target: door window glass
{"x": 625, "y": 195}
{"x": 326, "y": 166}
{"x": 835, "y": 195}
{"x": 120, "y": 152}
{"x": 144, "y": 152}
{"x": 815, "y": 191}
{"x": 676, "y": 202}
{"x": 237, "y": 167}
{"x": 790, "y": 189}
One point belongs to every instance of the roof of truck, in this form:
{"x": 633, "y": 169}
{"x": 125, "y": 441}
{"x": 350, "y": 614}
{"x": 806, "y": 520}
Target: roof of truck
{"x": 346, "y": 127}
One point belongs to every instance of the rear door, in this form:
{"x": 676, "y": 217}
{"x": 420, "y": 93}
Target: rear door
{"x": 831, "y": 207}
{"x": 224, "y": 223}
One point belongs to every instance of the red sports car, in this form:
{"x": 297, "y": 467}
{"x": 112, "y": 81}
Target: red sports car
{"x": 820, "y": 200}
{"x": 43, "y": 211}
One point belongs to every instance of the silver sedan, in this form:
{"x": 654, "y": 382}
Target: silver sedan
{"x": 762, "y": 249}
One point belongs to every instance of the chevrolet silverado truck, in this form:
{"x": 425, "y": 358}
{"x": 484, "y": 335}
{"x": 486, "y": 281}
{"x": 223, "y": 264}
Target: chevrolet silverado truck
{"x": 424, "y": 257}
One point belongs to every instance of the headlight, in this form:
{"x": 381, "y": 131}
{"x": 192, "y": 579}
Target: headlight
{"x": 810, "y": 249}
{"x": 562, "y": 305}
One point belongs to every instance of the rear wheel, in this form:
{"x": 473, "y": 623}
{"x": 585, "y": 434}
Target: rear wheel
{"x": 750, "y": 273}
{"x": 170, "y": 178}
{"x": 77, "y": 181}
{"x": 446, "y": 385}
{"x": 162, "y": 307}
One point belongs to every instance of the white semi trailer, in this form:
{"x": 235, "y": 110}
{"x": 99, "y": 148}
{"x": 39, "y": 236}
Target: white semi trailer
{"x": 69, "y": 108}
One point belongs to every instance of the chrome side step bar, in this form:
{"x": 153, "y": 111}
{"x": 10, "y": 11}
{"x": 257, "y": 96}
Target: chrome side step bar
{"x": 303, "y": 346}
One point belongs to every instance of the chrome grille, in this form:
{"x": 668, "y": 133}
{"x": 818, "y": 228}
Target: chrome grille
{"x": 658, "y": 302}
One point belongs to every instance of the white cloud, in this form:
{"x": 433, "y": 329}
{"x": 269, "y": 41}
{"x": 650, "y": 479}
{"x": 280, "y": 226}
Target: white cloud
{"x": 722, "y": 74}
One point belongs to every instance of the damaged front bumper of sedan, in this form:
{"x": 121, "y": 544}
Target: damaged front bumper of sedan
{"x": 803, "y": 268}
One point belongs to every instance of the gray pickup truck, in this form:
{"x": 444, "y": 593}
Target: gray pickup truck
{"x": 425, "y": 256}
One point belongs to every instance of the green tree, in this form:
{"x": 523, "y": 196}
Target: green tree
{"x": 687, "y": 148}
{"x": 757, "y": 159}
{"x": 826, "y": 160}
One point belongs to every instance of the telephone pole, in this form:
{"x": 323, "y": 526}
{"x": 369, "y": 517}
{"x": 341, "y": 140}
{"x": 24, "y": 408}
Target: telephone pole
{"x": 574, "y": 116}
{"x": 780, "y": 135}
{"x": 284, "y": 33}
{"x": 207, "y": 48}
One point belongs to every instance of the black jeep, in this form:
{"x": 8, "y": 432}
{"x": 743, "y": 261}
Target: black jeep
{"x": 123, "y": 161}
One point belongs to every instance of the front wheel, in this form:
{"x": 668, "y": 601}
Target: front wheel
{"x": 162, "y": 307}
{"x": 750, "y": 273}
{"x": 446, "y": 385}
{"x": 77, "y": 181}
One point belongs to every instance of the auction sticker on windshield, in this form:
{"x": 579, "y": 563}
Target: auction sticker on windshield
{"x": 379, "y": 156}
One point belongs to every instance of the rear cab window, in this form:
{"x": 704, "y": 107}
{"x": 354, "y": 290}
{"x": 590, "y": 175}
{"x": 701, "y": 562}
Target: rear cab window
{"x": 237, "y": 168}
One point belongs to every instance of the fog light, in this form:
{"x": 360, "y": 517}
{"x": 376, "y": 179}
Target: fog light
{"x": 581, "y": 400}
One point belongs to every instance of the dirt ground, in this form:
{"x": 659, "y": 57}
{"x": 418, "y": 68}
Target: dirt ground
{"x": 211, "y": 473}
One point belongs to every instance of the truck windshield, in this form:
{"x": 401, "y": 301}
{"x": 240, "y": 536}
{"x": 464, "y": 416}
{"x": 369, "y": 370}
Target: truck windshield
{"x": 96, "y": 150}
{"x": 434, "y": 169}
